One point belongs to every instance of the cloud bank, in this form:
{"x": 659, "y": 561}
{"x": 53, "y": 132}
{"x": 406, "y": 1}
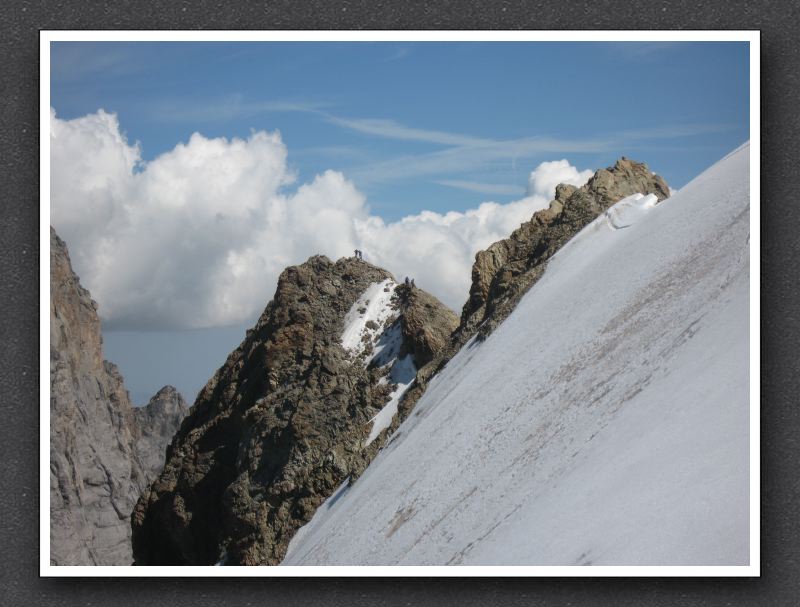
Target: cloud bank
{"x": 198, "y": 236}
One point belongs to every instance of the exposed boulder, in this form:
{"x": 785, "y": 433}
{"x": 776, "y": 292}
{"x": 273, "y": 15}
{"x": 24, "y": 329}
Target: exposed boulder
{"x": 287, "y": 418}
{"x": 426, "y": 324}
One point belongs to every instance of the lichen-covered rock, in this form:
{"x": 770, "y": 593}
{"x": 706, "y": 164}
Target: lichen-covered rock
{"x": 283, "y": 422}
{"x": 98, "y": 467}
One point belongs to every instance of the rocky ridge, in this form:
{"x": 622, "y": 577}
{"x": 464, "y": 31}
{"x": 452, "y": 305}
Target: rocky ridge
{"x": 100, "y": 456}
{"x": 289, "y": 416}
{"x": 504, "y": 272}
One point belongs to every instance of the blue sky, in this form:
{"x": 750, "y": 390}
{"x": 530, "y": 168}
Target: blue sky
{"x": 414, "y": 126}
{"x": 436, "y": 126}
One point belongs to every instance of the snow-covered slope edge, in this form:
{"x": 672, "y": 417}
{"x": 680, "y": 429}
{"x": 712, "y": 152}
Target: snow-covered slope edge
{"x": 604, "y": 422}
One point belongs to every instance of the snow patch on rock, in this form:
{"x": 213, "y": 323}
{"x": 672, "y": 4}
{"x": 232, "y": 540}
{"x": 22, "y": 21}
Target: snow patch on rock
{"x": 402, "y": 374}
{"x": 365, "y": 321}
{"x": 366, "y": 332}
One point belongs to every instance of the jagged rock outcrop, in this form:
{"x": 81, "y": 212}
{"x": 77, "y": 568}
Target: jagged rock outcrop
{"x": 505, "y": 271}
{"x": 97, "y": 468}
{"x": 157, "y": 423}
{"x": 426, "y": 324}
{"x": 289, "y": 416}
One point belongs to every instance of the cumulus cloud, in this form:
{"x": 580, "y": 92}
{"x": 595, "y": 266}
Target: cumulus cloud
{"x": 544, "y": 178}
{"x": 198, "y": 236}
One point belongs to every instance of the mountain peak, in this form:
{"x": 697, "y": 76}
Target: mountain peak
{"x": 625, "y": 178}
{"x": 301, "y": 405}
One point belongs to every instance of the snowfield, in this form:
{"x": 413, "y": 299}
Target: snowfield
{"x": 605, "y": 422}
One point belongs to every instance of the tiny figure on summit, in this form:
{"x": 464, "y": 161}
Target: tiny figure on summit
{"x": 359, "y": 254}
{"x": 413, "y": 286}
{"x": 407, "y": 281}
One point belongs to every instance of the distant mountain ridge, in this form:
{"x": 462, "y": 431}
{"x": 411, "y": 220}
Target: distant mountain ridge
{"x": 103, "y": 451}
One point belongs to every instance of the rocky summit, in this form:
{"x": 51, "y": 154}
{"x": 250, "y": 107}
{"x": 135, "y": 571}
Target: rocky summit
{"x": 301, "y": 406}
{"x": 101, "y": 456}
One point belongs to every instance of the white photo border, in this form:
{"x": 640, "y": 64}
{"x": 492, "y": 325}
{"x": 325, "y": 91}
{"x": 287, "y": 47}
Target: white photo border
{"x": 753, "y": 37}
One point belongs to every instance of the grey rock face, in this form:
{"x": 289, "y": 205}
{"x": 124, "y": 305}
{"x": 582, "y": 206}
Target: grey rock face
{"x": 281, "y": 424}
{"x": 96, "y": 470}
{"x": 157, "y": 422}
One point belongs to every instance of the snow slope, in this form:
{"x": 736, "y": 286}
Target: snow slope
{"x": 605, "y": 422}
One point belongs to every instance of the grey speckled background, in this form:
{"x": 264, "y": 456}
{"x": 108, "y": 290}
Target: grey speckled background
{"x": 19, "y": 257}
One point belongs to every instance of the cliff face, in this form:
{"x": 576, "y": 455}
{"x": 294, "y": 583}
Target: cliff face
{"x": 98, "y": 467}
{"x": 295, "y": 410}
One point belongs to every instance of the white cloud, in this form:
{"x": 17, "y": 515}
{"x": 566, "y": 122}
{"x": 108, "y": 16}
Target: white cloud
{"x": 198, "y": 236}
{"x": 544, "y": 178}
